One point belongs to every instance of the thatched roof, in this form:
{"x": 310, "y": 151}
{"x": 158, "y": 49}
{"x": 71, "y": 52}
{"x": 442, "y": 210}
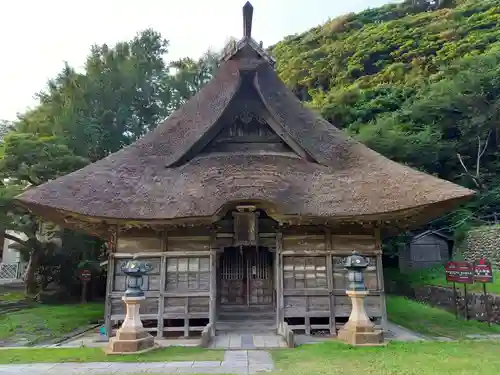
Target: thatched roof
{"x": 160, "y": 178}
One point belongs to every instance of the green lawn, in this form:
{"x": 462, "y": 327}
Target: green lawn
{"x": 12, "y": 296}
{"x": 41, "y": 323}
{"x": 45, "y": 355}
{"x": 433, "y": 321}
{"x": 416, "y": 358}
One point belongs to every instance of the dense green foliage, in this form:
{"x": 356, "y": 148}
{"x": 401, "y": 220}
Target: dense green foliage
{"x": 123, "y": 92}
{"x": 419, "y": 86}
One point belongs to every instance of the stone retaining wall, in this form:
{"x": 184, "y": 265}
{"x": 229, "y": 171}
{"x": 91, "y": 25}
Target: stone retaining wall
{"x": 482, "y": 242}
{"x": 443, "y": 298}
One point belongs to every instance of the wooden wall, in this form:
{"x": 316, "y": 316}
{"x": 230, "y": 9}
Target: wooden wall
{"x": 313, "y": 280}
{"x": 177, "y": 288}
{"x": 309, "y": 277}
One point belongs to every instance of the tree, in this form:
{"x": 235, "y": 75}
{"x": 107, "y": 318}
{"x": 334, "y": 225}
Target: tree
{"x": 189, "y": 76}
{"x": 415, "y": 81}
{"x": 123, "y": 92}
{"x": 29, "y": 160}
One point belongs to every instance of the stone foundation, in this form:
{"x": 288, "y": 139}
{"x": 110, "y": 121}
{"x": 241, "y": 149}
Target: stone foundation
{"x": 131, "y": 337}
{"x": 359, "y": 330}
{"x": 125, "y": 343}
{"x": 443, "y": 298}
{"x": 361, "y": 336}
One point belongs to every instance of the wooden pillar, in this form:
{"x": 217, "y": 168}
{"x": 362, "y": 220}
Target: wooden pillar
{"x": 186, "y": 319}
{"x": 213, "y": 290}
{"x": 161, "y": 302}
{"x": 279, "y": 281}
{"x": 110, "y": 280}
{"x": 109, "y": 289}
{"x": 212, "y": 315}
{"x": 380, "y": 279}
{"x": 329, "y": 275}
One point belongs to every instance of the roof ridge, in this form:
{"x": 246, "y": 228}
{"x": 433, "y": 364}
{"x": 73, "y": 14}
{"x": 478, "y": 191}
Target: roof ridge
{"x": 233, "y": 46}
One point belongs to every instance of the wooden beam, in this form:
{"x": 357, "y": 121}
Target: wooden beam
{"x": 329, "y": 279}
{"x": 161, "y": 305}
{"x": 186, "y": 319}
{"x": 380, "y": 280}
{"x": 306, "y": 292}
{"x": 313, "y": 253}
{"x": 109, "y": 291}
{"x": 280, "y": 302}
{"x": 168, "y": 254}
{"x": 213, "y": 284}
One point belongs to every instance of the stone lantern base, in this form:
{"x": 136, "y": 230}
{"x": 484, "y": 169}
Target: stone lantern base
{"x": 131, "y": 337}
{"x": 359, "y": 330}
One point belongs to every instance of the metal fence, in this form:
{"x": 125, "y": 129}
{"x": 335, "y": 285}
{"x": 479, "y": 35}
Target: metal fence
{"x": 10, "y": 271}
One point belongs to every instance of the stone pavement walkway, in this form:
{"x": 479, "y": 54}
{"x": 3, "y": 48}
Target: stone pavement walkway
{"x": 248, "y": 341}
{"x": 240, "y": 362}
{"x": 398, "y": 333}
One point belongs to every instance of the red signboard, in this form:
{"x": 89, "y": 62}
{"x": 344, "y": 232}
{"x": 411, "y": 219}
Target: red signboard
{"x": 85, "y": 275}
{"x": 482, "y": 271}
{"x": 459, "y": 272}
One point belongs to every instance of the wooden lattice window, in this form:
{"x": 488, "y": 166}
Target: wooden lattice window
{"x": 185, "y": 274}
{"x": 339, "y": 274}
{"x": 304, "y": 272}
{"x": 150, "y": 281}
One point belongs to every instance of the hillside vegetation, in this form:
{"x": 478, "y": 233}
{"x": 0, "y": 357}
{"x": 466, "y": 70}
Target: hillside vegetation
{"x": 420, "y": 86}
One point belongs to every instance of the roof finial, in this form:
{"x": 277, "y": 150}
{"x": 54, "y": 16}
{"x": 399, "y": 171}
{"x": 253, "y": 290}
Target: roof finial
{"x": 247, "y": 20}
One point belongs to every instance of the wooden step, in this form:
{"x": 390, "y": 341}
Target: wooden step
{"x": 247, "y": 316}
{"x": 246, "y": 308}
{"x": 250, "y": 326}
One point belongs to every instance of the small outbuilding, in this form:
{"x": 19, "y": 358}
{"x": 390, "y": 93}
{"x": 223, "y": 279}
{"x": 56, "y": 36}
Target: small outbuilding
{"x": 426, "y": 249}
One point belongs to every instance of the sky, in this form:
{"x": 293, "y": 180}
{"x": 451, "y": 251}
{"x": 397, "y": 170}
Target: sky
{"x": 37, "y": 37}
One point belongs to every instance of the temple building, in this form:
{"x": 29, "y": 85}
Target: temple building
{"x": 245, "y": 203}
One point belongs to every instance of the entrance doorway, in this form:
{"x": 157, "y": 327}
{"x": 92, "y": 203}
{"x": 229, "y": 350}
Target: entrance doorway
{"x": 246, "y": 278}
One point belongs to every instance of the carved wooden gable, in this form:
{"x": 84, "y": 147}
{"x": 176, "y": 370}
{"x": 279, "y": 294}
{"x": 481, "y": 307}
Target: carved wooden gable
{"x": 246, "y": 126}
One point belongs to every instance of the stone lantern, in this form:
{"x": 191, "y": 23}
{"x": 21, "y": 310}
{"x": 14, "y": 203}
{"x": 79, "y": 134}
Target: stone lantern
{"x": 135, "y": 270}
{"x": 131, "y": 337}
{"x": 356, "y": 265}
{"x": 359, "y": 330}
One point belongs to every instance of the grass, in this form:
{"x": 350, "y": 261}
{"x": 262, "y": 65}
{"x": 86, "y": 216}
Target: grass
{"x": 398, "y": 358}
{"x": 429, "y": 358}
{"x": 433, "y": 321}
{"x": 55, "y": 355}
{"x": 436, "y": 276}
{"x": 12, "y": 296}
{"x": 415, "y": 358}
{"x": 42, "y": 323}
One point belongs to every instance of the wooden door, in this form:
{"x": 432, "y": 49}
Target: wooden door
{"x": 260, "y": 277}
{"x": 232, "y": 286}
{"x": 246, "y": 277}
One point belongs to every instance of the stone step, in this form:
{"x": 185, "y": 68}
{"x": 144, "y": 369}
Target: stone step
{"x": 245, "y": 326}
